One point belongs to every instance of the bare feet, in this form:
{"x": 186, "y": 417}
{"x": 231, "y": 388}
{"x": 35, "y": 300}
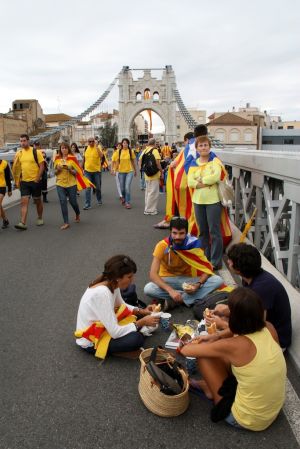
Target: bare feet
{"x": 202, "y": 385}
{"x": 65, "y": 226}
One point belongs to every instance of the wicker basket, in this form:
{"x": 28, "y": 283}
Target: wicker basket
{"x": 157, "y": 402}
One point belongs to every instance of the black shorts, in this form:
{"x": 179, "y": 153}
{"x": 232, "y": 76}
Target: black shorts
{"x": 31, "y": 188}
{"x": 2, "y": 190}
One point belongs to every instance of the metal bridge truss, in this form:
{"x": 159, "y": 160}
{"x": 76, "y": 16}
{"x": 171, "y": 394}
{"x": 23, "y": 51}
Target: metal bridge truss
{"x": 271, "y": 184}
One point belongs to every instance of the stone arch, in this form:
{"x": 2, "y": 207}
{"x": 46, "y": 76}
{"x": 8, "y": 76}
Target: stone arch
{"x": 147, "y": 94}
{"x": 234, "y": 135}
{"x": 248, "y": 135}
{"x": 138, "y": 96}
{"x": 220, "y": 134}
{"x": 146, "y": 108}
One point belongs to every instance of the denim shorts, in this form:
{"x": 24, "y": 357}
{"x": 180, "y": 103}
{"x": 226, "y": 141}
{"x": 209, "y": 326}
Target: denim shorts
{"x": 2, "y": 190}
{"x": 230, "y": 419}
{"x": 31, "y": 188}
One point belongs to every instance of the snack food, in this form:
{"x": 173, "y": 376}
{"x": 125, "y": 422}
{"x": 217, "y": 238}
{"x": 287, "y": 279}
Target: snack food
{"x": 211, "y": 328}
{"x": 157, "y": 308}
{"x": 181, "y": 330}
{"x": 187, "y": 286}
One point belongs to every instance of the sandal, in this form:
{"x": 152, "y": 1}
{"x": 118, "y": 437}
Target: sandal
{"x": 64, "y": 226}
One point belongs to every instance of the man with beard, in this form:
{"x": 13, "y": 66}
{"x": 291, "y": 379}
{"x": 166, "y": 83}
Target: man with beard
{"x": 180, "y": 272}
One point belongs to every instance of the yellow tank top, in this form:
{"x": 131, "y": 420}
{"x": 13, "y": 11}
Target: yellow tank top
{"x": 261, "y": 384}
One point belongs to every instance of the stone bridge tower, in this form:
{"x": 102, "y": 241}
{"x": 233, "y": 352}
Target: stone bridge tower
{"x": 161, "y": 100}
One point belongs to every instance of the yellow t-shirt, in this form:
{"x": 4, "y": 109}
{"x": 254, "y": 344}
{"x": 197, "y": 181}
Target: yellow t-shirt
{"x": 123, "y": 161}
{"x": 170, "y": 264}
{"x": 29, "y": 168}
{"x": 166, "y": 152}
{"x": 260, "y": 392}
{"x": 65, "y": 178}
{"x": 209, "y": 173}
{"x": 92, "y": 160}
{"x": 157, "y": 157}
{"x": 3, "y": 166}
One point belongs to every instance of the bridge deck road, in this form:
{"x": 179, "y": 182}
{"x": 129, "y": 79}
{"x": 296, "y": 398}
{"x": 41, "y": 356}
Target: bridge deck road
{"x": 55, "y": 396}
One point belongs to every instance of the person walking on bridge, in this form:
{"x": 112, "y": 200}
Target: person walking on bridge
{"x": 28, "y": 168}
{"x": 92, "y": 170}
{"x": 152, "y": 178}
{"x": 5, "y": 183}
{"x": 126, "y": 168}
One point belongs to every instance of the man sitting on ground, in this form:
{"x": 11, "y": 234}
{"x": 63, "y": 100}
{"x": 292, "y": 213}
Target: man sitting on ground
{"x": 245, "y": 260}
{"x": 179, "y": 260}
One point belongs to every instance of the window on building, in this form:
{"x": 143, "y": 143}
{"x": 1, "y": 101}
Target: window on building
{"x": 288, "y": 141}
{"x": 147, "y": 94}
{"x": 290, "y": 127}
{"x": 280, "y": 127}
{"x": 267, "y": 142}
{"x": 234, "y": 135}
{"x": 248, "y": 135}
{"x": 178, "y": 126}
{"x": 138, "y": 96}
{"x": 220, "y": 135}
{"x": 155, "y": 96}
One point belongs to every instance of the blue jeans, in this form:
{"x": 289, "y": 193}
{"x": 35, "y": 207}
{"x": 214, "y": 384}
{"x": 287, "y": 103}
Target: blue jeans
{"x": 129, "y": 342}
{"x": 95, "y": 178}
{"x": 208, "y": 217}
{"x": 142, "y": 181}
{"x": 176, "y": 282}
{"x": 125, "y": 184}
{"x": 63, "y": 193}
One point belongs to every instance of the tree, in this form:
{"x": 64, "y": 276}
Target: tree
{"x": 108, "y": 134}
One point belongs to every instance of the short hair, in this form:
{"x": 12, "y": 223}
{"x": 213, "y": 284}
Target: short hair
{"x": 188, "y": 136}
{"x": 200, "y": 130}
{"x": 152, "y": 141}
{"x": 246, "y": 259}
{"x": 179, "y": 223}
{"x": 65, "y": 145}
{"x": 201, "y": 139}
{"x": 166, "y": 143}
{"x": 24, "y": 136}
{"x": 246, "y": 311}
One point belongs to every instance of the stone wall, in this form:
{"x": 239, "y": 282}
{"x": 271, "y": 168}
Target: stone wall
{"x": 10, "y": 129}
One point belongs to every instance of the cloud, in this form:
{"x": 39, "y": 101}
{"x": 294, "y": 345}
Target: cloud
{"x": 65, "y": 54}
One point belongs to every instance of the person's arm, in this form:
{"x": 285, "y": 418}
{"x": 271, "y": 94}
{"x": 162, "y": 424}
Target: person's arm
{"x": 154, "y": 277}
{"x": 133, "y": 163}
{"x": 193, "y": 178}
{"x": 214, "y": 177}
{"x": 217, "y": 349}
{"x": 41, "y": 171}
{"x": 99, "y": 151}
{"x": 7, "y": 179}
{"x": 273, "y": 331}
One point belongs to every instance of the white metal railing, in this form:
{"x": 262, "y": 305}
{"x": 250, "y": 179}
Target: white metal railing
{"x": 270, "y": 182}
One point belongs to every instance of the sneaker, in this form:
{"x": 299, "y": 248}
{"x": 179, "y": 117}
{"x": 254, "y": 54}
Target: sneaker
{"x": 21, "y": 226}
{"x": 99, "y": 203}
{"x": 77, "y": 219}
{"x": 5, "y": 223}
{"x": 153, "y": 213}
{"x": 127, "y": 205}
{"x": 87, "y": 207}
{"x": 122, "y": 200}
{"x": 147, "y": 213}
{"x": 39, "y": 222}
{"x": 65, "y": 226}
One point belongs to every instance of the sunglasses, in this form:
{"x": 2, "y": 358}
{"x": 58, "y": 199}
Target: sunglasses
{"x": 91, "y": 141}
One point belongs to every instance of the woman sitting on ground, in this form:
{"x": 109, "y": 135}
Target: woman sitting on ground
{"x": 105, "y": 323}
{"x": 252, "y": 355}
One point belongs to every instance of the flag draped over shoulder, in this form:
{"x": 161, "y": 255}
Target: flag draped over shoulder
{"x": 225, "y": 223}
{"x": 192, "y": 254}
{"x": 82, "y": 181}
{"x": 98, "y": 335}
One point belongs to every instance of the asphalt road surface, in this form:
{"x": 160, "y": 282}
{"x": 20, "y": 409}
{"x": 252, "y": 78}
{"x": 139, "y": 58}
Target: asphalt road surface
{"x": 55, "y": 396}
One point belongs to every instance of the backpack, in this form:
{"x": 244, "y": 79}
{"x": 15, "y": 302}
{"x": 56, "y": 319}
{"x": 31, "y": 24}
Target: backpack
{"x": 209, "y": 301}
{"x": 149, "y": 165}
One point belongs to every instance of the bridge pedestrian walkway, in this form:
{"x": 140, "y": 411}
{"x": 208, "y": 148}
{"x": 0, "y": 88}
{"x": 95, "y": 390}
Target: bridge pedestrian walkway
{"x": 55, "y": 396}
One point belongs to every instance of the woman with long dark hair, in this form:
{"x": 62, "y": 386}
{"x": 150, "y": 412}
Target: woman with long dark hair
{"x": 255, "y": 359}
{"x": 105, "y": 323}
{"x": 66, "y": 183}
{"x": 126, "y": 169}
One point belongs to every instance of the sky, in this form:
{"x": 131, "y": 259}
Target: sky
{"x": 65, "y": 53}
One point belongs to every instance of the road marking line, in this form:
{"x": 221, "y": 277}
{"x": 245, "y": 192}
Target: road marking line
{"x": 291, "y": 410}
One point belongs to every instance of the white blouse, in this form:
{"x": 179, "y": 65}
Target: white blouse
{"x": 98, "y": 304}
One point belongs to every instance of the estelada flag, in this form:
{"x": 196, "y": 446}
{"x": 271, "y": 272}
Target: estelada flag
{"x": 191, "y": 253}
{"x": 98, "y": 335}
{"x": 82, "y": 181}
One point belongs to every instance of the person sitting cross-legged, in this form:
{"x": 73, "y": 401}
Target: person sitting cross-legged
{"x": 179, "y": 260}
